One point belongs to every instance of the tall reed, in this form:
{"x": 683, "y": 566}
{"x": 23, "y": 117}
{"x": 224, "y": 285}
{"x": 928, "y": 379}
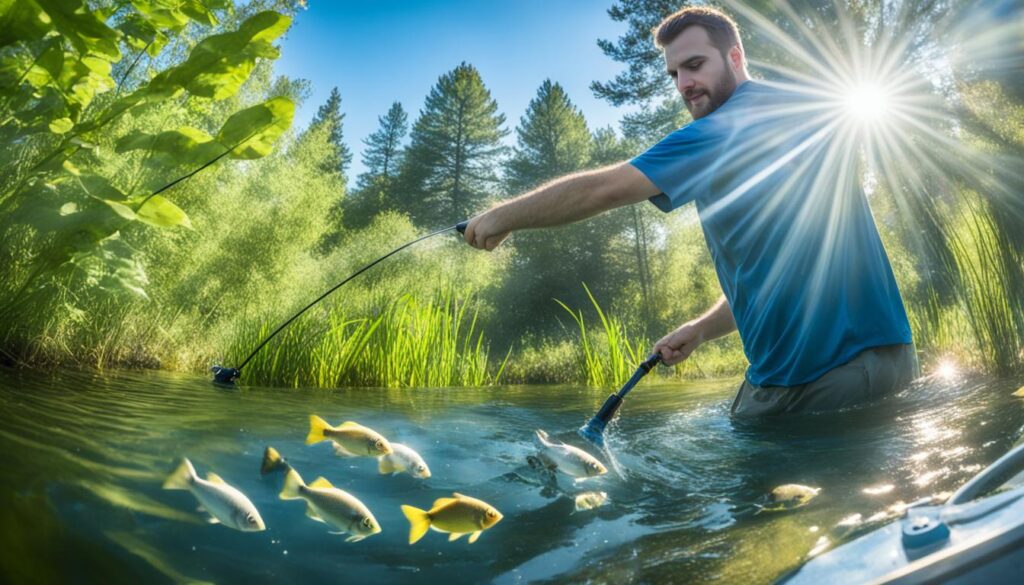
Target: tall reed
{"x": 608, "y": 357}
{"x": 410, "y": 343}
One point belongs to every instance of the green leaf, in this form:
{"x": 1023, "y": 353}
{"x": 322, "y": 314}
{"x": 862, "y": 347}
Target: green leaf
{"x": 121, "y": 209}
{"x": 22, "y": 20}
{"x": 141, "y": 34}
{"x": 159, "y": 212}
{"x": 82, "y": 28}
{"x": 47, "y": 67}
{"x": 219, "y": 65}
{"x": 251, "y": 133}
{"x": 184, "y": 146}
{"x": 61, "y": 125}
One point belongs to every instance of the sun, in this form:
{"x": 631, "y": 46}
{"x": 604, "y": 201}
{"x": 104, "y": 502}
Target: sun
{"x": 866, "y": 102}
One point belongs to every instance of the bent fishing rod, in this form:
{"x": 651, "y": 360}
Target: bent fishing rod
{"x": 226, "y": 376}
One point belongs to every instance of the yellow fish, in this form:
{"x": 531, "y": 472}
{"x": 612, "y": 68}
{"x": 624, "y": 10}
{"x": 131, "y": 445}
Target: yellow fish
{"x": 272, "y": 461}
{"x": 590, "y": 500}
{"x": 457, "y": 516}
{"x": 332, "y": 506}
{"x": 350, "y": 439}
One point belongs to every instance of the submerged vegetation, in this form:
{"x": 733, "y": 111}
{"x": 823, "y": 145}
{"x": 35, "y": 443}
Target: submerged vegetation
{"x": 157, "y": 209}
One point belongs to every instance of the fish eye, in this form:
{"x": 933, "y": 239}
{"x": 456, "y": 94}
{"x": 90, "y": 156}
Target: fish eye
{"x": 421, "y": 468}
{"x": 367, "y": 523}
{"x": 378, "y": 443}
{"x": 491, "y": 513}
{"x": 250, "y": 519}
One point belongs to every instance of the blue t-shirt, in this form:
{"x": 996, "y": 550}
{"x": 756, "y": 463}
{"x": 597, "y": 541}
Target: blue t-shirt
{"x": 789, "y": 229}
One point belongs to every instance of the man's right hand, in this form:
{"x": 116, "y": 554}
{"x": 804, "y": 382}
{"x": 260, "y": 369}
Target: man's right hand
{"x": 485, "y": 231}
{"x": 678, "y": 345}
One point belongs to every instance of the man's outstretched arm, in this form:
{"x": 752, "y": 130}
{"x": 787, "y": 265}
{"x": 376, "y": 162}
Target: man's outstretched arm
{"x": 564, "y": 200}
{"x": 678, "y": 345}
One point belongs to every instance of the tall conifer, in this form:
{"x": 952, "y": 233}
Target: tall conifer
{"x": 330, "y": 114}
{"x": 449, "y": 167}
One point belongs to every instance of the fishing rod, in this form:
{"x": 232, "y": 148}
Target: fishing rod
{"x": 593, "y": 431}
{"x": 226, "y": 376}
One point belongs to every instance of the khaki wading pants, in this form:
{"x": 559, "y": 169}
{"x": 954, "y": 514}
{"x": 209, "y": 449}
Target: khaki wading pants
{"x": 872, "y": 374}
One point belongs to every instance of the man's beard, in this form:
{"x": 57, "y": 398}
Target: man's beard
{"x": 716, "y": 96}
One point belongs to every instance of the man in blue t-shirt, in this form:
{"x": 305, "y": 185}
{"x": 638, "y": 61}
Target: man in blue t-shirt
{"x": 805, "y": 278}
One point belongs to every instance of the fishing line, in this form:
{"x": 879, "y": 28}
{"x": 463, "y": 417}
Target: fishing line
{"x": 227, "y": 376}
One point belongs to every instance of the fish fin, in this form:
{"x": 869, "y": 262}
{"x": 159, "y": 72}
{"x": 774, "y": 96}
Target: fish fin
{"x": 317, "y": 426}
{"x": 419, "y": 522}
{"x": 350, "y": 425}
{"x": 272, "y": 461}
{"x": 474, "y": 536}
{"x": 212, "y": 520}
{"x": 547, "y": 462}
{"x": 543, "y": 438}
{"x": 455, "y": 536}
{"x": 312, "y": 513}
{"x": 386, "y": 465}
{"x": 321, "y": 482}
{"x": 442, "y": 502}
{"x": 343, "y": 452}
{"x": 214, "y": 478}
{"x": 292, "y": 483}
{"x": 181, "y": 477}
{"x": 355, "y": 538}
{"x": 458, "y": 495}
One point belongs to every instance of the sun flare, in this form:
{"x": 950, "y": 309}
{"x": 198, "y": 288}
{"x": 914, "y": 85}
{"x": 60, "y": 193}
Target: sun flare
{"x": 866, "y": 102}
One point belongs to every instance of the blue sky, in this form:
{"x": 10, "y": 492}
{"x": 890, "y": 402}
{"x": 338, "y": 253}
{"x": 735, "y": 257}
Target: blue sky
{"x": 379, "y": 51}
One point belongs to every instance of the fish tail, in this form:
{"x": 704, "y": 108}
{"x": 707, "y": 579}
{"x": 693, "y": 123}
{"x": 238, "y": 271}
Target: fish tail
{"x": 181, "y": 477}
{"x": 419, "y": 521}
{"x": 317, "y": 426}
{"x": 292, "y": 483}
{"x": 272, "y": 461}
{"x": 386, "y": 465}
{"x": 543, "y": 438}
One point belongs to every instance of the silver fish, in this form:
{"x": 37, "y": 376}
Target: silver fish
{"x": 570, "y": 460}
{"x": 225, "y": 504}
{"x": 332, "y": 506}
{"x": 403, "y": 459}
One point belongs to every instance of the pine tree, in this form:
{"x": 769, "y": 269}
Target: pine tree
{"x": 330, "y": 113}
{"x": 449, "y": 167}
{"x": 553, "y": 140}
{"x": 375, "y": 188}
{"x": 383, "y": 153}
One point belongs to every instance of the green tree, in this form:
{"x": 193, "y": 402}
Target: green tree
{"x": 329, "y": 115}
{"x": 375, "y": 188}
{"x": 455, "y": 144}
{"x": 383, "y": 153}
{"x": 553, "y": 140}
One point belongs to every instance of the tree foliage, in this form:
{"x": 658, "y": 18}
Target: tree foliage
{"x": 329, "y": 115}
{"x": 450, "y": 163}
{"x": 56, "y": 59}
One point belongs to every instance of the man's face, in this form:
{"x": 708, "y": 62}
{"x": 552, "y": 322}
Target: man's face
{"x": 701, "y": 74}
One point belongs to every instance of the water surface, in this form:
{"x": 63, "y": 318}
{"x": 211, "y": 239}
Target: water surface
{"x": 85, "y": 455}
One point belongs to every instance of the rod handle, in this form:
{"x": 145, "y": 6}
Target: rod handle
{"x": 461, "y": 226}
{"x": 608, "y": 409}
{"x": 651, "y": 361}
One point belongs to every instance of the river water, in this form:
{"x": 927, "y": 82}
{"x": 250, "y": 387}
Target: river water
{"x": 85, "y": 454}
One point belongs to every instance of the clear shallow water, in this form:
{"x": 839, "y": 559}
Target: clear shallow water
{"x": 85, "y": 455}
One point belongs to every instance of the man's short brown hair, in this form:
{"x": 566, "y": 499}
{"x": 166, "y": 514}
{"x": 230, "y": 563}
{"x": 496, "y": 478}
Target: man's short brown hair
{"x": 721, "y": 29}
